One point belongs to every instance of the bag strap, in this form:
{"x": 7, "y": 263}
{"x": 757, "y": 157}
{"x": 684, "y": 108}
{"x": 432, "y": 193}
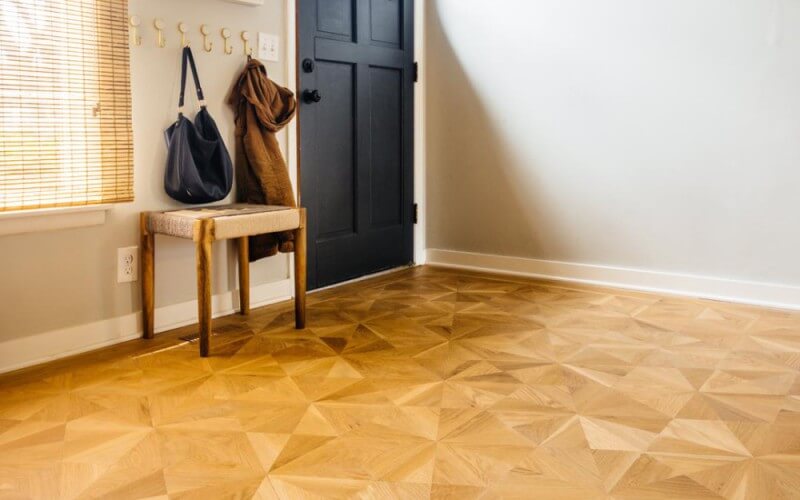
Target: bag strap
{"x": 187, "y": 56}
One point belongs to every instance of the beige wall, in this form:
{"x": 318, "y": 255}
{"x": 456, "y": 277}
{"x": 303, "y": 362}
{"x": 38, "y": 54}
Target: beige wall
{"x": 658, "y": 136}
{"x": 60, "y": 279}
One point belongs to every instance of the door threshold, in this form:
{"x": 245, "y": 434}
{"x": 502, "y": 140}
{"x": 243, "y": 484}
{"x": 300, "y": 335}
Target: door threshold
{"x": 362, "y": 278}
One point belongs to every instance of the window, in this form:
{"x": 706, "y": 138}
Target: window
{"x": 65, "y": 104}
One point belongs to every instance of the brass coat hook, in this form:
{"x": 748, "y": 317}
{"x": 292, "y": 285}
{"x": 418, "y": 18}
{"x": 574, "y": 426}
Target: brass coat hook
{"x": 207, "y": 45}
{"x": 136, "y": 39}
{"x": 248, "y": 51}
{"x": 159, "y": 26}
{"x": 226, "y": 34}
{"x": 183, "y": 29}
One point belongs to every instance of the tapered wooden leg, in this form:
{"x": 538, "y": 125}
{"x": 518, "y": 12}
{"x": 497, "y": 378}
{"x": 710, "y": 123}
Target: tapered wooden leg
{"x": 244, "y": 275}
{"x": 203, "y": 254}
{"x": 147, "y": 242}
{"x": 300, "y": 273}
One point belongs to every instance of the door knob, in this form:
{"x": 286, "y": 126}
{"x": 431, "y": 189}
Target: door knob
{"x": 310, "y": 96}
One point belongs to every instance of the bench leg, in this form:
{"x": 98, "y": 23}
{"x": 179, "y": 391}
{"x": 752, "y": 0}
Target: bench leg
{"x": 300, "y": 273}
{"x": 147, "y": 242}
{"x": 244, "y": 275}
{"x": 203, "y": 254}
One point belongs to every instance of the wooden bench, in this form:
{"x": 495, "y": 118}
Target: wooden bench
{"x": 206, "y": 225}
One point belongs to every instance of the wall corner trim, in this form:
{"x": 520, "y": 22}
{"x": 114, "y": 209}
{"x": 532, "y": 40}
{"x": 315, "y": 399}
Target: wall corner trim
{"x": 706, "y": 287}
{"x": 55, "y": 344}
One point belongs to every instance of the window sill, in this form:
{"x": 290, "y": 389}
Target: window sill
{"x": 51, "y": 219}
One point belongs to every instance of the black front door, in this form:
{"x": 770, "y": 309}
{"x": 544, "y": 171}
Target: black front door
{"x": 356, "y": 135}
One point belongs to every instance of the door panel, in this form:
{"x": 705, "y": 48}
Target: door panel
{"x": 356, "y": 141}
{"x": 386, "y": 18}
{"x": 387, "y": 157}
{"x": 336, "y": 17}
{"x": 336, "y": 186}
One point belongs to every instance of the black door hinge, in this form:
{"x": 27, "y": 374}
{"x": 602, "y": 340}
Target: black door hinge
{"x": 415, "y": 216}
{"x": 416, "y": 72}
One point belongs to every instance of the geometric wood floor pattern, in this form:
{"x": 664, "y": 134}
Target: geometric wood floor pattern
{"x": 427, "y": 383}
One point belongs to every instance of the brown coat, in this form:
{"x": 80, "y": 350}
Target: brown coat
{"x": 262, "y": 108}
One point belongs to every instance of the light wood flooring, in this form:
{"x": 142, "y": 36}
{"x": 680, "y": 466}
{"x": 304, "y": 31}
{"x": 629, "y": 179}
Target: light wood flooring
{"x": 426, "y": 383}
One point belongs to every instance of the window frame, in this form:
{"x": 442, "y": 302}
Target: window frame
{"x": 74, "y": 211}
{"x": 34, "y": 220}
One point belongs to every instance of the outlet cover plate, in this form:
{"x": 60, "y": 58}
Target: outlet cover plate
{"x": 127, "y": 264}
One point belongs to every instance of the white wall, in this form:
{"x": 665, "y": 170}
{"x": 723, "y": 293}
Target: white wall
{"x": 58, "y": 289}
{"x": 644, "y": 134}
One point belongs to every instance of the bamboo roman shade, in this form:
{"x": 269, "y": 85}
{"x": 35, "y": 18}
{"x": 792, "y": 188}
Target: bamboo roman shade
{"x": 65, "y": 103}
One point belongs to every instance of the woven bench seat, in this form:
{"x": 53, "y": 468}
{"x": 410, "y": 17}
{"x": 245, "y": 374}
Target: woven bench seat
{"x": 203, "y": 226}
{"x": 230, "y": 221}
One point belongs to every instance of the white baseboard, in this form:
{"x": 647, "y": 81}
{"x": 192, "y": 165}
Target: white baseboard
{"x": 55, "y": 344}
{"x": 746, "y": 292}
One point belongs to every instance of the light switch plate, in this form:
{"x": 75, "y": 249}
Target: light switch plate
{"x": 268, "y": 46}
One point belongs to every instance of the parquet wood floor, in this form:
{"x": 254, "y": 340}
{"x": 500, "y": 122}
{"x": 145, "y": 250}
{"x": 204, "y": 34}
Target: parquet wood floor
{"x": 426, "y": 383}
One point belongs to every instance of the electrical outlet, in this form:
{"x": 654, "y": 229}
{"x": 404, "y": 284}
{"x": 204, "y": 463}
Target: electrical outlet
{"x": 127, "y": 264}
{"x": 268, "y": 47}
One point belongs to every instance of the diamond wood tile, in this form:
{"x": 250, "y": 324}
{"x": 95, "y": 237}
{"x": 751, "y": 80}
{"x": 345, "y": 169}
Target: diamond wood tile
{"x": 425, "y": 383}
